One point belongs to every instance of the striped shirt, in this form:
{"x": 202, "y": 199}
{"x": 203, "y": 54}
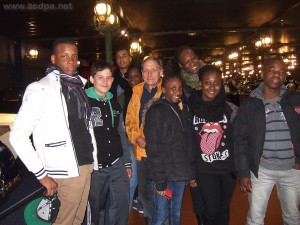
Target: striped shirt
{"x": 277, "y": 152}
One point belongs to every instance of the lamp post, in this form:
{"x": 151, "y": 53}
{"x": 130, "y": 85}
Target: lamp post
{"x": 104, "y": 21}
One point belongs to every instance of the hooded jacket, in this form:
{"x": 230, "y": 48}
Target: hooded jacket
{"x": 109, "y": 129}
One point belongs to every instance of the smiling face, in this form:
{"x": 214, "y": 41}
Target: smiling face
{"x": 211, "y": 86}
{"x": 102, "y": 81}
{"x": 189, "y": 62}
{"x": 66, "y": 57}
{"x": 274, "y": 75}
{"x": 173, "y": 90}
{"x": 151, "y": 73}
{"x": 134, "y": 77}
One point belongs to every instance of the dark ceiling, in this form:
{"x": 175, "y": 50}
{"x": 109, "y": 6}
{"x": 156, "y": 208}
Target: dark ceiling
{"x": 221, "y": 26}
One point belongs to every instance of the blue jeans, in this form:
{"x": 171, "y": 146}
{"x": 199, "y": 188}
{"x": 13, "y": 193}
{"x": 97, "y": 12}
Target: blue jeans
{"x": 168, "y": 208}
{"x": 288, "y": 191}
{"x": 134, "y": 178}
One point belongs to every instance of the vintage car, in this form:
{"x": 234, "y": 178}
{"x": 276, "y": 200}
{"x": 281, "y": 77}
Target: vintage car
{"x": 18, "y": 186}
{"x": 11, "y": 99}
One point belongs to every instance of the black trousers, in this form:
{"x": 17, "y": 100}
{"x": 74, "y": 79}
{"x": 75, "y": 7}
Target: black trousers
{"x": 197, "y": 202}
{"x": 216, "y": 192}
{"x": 109, "y": 195}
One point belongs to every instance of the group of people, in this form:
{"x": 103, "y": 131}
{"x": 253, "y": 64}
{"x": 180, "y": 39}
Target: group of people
{"x": 158, "y": 129}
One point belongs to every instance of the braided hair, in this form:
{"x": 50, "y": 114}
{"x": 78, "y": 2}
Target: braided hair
{"x": 170, "y": 75}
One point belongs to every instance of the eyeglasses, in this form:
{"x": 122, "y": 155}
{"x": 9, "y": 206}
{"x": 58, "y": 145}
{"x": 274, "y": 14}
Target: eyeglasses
{"x": 122, "y": 57}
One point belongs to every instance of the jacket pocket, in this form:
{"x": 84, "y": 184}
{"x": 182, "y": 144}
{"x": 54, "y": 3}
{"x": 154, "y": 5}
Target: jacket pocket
{"x": 55, "y": 154}
{"x": 55, "y": 144}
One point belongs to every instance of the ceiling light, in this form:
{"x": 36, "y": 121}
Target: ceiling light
{"x": 191, "y": 34}
{"x": 233, "y": 56}
{"x": 32, "y": 54}
{"x": 263, "y": 42}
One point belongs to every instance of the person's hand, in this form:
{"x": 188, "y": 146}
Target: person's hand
{"x": 129, "y": 172}
{"x": 161, "y": 193}
{"x": 50, "y": 185}
{"x": 245, "y": 185}
{"x": 296, "y": 167}
{"x": 141, "y": 142}
{"x": 193, "y": 183}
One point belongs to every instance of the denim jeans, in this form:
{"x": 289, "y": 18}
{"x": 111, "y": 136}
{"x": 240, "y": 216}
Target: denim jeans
{"x": 168, "y": 208}
{"x": 134, "y": 178}
{"x": 288, "y": 191}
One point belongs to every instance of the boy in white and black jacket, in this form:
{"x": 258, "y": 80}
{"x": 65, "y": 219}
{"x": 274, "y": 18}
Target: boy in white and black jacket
{"x": 110, "y": 184}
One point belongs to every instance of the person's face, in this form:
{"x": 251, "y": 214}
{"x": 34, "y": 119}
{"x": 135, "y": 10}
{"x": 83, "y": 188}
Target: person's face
{"x": 134, "y": 77}
{"x": 274, "y": 74}
{"x": 102, "y": 81}
{"x": 123, "y": 59}
{"x": 151, "y": 73}
{"x": 66, "y": 57}
{"x": 173, "y": 90}
{"x": 211, "y": 86}
{"x": 189, "y": 62}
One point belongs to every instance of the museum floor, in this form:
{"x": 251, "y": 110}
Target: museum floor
{"x": 238, "y": 215}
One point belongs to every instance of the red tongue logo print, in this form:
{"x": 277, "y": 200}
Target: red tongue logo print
{"x": 211, "y": 135}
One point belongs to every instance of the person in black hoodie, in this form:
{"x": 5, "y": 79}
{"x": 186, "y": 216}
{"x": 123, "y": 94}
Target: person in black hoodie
{"x": 214, "y": 159}
{"x": 167, "y": 130}
{"x": 109, "y": 194}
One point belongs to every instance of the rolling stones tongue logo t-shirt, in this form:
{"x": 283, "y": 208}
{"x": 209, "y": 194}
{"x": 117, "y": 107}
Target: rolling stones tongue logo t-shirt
{"x": 212, "y": 139}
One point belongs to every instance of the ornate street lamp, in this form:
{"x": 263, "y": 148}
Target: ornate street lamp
{"x": 102, "y": 10}
{"x": 136, "y": 49}
{"x": 105, "y": 23}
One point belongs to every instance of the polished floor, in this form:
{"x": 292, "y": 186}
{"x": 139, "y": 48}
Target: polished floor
{"x": 239, "y": 207}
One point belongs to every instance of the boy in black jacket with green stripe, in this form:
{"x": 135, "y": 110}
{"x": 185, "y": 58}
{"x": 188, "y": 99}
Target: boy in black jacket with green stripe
{"x": 110, "y": 184}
